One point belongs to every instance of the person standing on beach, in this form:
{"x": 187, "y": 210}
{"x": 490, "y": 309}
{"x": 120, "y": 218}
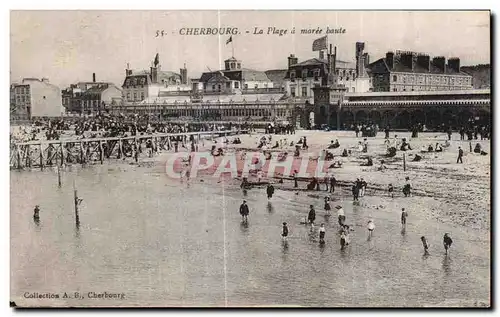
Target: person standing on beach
{"x": 295, "y": 184}
{"x": 322, "y": 234}
{"x": 244, "y": 211}
{"x": 343, "y": 240}
{"x": 460, "y": 155}
{"x": 270, "y": 191}
{"x": 391, "y": 191}
{"x": 36, "y": 213}
{"x": 333, "y": 182}
{"x": 371, "y": 227}
{"x": 404, "y": 215}
{"x": 447, "y": 241}
{"x": 355, "y": 192}
{"x": 425, "y": 245}
{"x": 340, "y": 216}
{"x": 363, "y": 186}
{"x": 449, "y": 133}
{"x": 284, "y": 231}
{"x": 327, "y": 206}
{"x": 312, "y": 215}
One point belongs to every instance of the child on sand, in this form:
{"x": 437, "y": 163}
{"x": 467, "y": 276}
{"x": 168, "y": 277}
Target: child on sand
{"x": 322, "y": 234}
{"x": 284, "y": 232}
{"x": 371, "y": 227}
{"x": 327, "y": 206}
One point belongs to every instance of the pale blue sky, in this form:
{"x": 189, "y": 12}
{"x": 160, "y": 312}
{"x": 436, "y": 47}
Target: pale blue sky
{"x": 68, "y": 46}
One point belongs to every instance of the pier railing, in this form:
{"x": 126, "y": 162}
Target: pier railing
{"x": 44, "y": 153}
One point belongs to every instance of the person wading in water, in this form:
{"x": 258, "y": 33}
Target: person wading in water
{"x": 284, "y": 231}
{"x": 312, "y": 215}
{"x": 270, "y": 191}
{"x": 447, "y": 241}
{"x": 244, "y": 211}
{"x": 322, "y": 234}
{"x": 404, "y": 215}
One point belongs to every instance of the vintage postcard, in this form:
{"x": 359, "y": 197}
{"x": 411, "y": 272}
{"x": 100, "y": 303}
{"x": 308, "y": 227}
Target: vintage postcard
{"x": 250, "y": 159}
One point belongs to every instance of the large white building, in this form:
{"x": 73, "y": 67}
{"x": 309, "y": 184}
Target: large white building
{"x": 35, "y": 98}
{"x": 153, "y": 83}
{"x": 232, "y": 79}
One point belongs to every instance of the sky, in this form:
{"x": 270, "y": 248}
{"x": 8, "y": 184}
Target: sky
{"x": 68, "y": 46}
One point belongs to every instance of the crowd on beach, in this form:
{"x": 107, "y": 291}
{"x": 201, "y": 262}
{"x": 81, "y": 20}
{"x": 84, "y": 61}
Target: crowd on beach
{"x": 359, "y": 186}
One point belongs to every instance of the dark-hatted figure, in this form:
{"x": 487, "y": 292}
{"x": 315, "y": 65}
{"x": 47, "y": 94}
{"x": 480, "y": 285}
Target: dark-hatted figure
{"x": 36, "y": 214}
{"x": 391, "y": 190}
{"x": 404, "y": 215}
{"x": 284, "y": 231}
{"x": 447, "y": 241}
{"x": 460, "y": 155}
{"x": 244, "y": 211}
{"x": 312, "y": 215}
{"x": 327, "y": 206}
{"x": 270, "y": 191}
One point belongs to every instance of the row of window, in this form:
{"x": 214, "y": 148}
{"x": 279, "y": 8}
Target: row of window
{"x": 135, "y": 96}
{"x": 238, "y": 112}
{"x": 22, "y": 98}
{"x": 304, "y": 73}
{"x": 433, "y": 79}
{"x": 423, "y": 88}
{"x": 22, "y": 90}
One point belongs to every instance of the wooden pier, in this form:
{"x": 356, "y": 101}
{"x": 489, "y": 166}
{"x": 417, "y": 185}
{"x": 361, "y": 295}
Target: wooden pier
{"x": 40, "y": 154}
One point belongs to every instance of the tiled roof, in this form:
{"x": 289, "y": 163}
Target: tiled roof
{"x": 277, "y": 76}
{"x": 318, "y": 61}
{"x": 240, "y": 74}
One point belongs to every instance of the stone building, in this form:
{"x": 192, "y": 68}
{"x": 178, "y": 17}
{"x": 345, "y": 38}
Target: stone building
{"x": 35, "y": 98}
{"x": 141, "y": 85}
{"x": 233, "y": 79}
{"x": 90, "y": 97}
{"x": 410, "y": 71}
{"x": 302, "y": 77}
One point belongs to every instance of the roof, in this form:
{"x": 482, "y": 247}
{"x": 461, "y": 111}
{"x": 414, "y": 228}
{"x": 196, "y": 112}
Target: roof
{"x": 163, "y": 75}
{"x": 318, "y": 61}
{"x": 245, "y": 74}
{"x": 277, "y": 76}
{"x": 380, "y": 66}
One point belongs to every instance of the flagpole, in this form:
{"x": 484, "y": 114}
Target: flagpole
{"x": 232, "y": 47}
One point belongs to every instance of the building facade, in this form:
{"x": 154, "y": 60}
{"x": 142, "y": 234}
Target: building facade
{"x": 146, "y": 84}
{"x": 36, "y": 98}
{"x": 302, "y": 77}
{"x": 90, "y": 97}
{"x": 233, "y": 79}
{"x": 410, "y": 71}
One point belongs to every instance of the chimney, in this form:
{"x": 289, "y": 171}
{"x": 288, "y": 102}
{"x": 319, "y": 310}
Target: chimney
{"x": 424, "y": 61}
{"x": 128, "y": 71}
{"x": 366, "y": 58}
{"x": 292, "y": 60}
{"x": 332, "y": 66}
{"x": 406, "y": 59}
{"x": 93, "y": 77}
{"x": 454, "y": 64}
{"x": 360, "y": 65}
{"x": 389, "y": 59}
{"x": 184, "y": 75}
{"x": 440, "y": 62}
